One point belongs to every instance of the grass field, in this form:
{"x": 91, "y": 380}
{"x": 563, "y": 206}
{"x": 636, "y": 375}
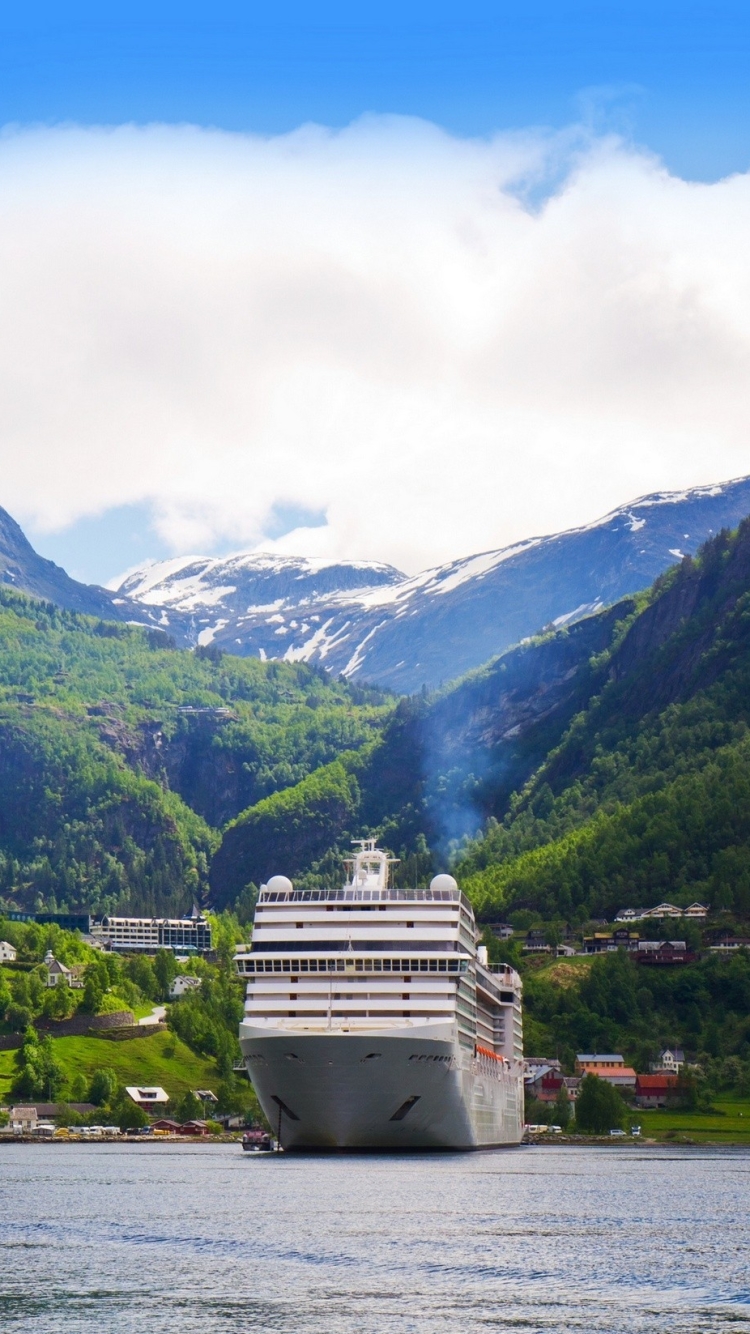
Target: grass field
{"x": 161, "y": 1059}
{"x": 733, "y": 1127}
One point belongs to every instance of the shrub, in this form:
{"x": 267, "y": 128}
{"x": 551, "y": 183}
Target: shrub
{"x": 599, "y": 1108}
{"x": 103, "y": 1087}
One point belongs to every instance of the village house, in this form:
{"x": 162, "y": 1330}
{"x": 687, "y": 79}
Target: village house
{"x": 152, "y": 1097}
{"x": 670, "y": 1062}
{"x": 659, "y": 952}
{"x": 546, "y": 1085}
{"x": 609, "y": 1066}
{"x": 603, "y": 941}
{"x": 696, "y": 912}
{"x": 535, "y": 943}
{"x": 501, "y": 930}
{"x": 56, "y": 971}
{"x": 22, "y": 1120}
{"x": 654, "y": 1090}
{"x": 7, "y": 952}
{"x": 532, "y": 1064}
{"x": 182, "y": 984}
{"x": 195, "y": 1128}
{"x": 206, "y": 1095}
{"x": 607, "y": 1060}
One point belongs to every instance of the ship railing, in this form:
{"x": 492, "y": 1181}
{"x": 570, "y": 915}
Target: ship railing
{"x": 247, "y": 965}
{"x": 352, "y": 895}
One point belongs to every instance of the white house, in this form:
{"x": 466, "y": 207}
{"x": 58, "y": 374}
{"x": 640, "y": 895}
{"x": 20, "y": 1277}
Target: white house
{"x": 206, "y": 1095}
{"x": 7, "y": 952}
{"x": 182, "y": 984}
{"x": 152, "y": 1096}
{"x": 23, "y": 1120}
{"x": 696, "y": 910}
{"x": 663, "y": 910}
{"x": 56, "y": 971}
{"x": 670, "y": 1062}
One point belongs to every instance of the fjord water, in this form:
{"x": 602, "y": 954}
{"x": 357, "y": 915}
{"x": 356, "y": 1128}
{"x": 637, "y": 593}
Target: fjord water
{"x": 161, "y": 1238}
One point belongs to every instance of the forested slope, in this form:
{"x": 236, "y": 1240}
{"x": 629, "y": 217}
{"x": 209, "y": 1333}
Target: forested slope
{"x": 647, "y": 792}
{"x": 120, "y": 756}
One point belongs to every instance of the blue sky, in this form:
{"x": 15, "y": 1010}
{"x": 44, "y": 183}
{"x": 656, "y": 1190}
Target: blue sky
{"x": 671, "y": 78}
{"x": 674, "y": 73}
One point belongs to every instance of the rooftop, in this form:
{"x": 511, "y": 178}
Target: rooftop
{"x": 605, "y": 1058}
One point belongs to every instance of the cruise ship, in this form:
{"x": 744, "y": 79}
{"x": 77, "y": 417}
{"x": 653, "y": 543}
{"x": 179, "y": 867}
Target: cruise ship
{"x": 373, "y": 1020}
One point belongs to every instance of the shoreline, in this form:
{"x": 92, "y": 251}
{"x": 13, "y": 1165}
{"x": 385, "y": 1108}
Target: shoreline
{"x": 120, "y": 1139}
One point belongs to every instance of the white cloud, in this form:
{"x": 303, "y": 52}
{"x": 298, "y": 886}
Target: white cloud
{"x": 369, "y": 322}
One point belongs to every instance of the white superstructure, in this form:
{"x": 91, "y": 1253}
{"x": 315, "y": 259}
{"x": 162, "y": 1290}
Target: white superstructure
{"x": 373, "y": 1021}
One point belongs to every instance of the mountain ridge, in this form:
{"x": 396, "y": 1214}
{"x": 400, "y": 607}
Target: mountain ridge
{"x": 366, "y": 621}
{"x": 406, "y": 632}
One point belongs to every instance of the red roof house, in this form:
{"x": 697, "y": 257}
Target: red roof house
{"x": 655, "y": 1090}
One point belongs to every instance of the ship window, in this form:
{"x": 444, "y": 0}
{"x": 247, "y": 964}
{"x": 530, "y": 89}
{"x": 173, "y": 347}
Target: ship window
{"x": 386, "y": 965}
{"x": 377, "y": 965}
{"x": 277, "y": 965}
{"x": 359, "y": 965}
{"x": 407, "y": 979}
{"x": 441, "y": 966}
{"x": 372, "y": 1056}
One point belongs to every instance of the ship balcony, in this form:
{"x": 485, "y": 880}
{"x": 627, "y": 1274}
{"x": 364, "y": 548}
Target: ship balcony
{"x": 343, "y": 932}
{"x": 352, "y": 1004}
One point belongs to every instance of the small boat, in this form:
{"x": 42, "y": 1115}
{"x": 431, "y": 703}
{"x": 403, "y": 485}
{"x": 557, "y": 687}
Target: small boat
{"x": 258, "y": 1141}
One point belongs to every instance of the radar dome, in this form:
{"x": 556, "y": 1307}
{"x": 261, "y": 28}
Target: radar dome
{"x": 279, "y": 884}
{"x": 443, "y": 882}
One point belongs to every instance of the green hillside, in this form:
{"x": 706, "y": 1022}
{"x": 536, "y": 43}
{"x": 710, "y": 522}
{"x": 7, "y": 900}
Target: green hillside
{"x": 200, "y": 1050}
{"x": 120, "y": 756}
{"x": 161, "y": 1059}
{"x": 647, "y": 791}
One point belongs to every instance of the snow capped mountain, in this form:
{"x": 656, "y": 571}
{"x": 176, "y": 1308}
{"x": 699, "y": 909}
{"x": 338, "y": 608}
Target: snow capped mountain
{"x": 251, "y": 601}
{"x": 367, "y": 621}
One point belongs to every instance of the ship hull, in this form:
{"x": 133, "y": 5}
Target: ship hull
{"x": 381, "y": 1091}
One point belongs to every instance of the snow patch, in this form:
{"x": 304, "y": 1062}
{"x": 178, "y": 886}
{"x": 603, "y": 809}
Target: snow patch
{"x": 585, "y": 609}
{"x": 206, "y": 636}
